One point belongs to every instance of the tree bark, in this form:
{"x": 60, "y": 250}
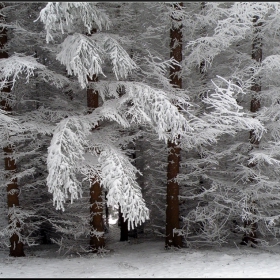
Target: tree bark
{"x": 123, "y": 227}
{"x": 172, "y": 199}
{"x": 122, "y": 223}
{"x": 106, "y": 213}
{"x": 255, "y": 106}
{"x": 16, "y": 246}
{"x": 96, "y": 201}
{"x": 124, "y": 233}
{"x": 203, "y": 33}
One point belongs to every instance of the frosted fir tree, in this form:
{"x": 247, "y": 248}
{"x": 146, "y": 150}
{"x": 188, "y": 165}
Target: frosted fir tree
{"x": 195, "y": 90}
{"x": 106, "y": 47}
{"x": 107, "y": 111}
{"x": 15, "y": 216}
{"x": 148, "y": 106}
{"x": 36, "y": 108}
{"x": 232, "y": 185}
{"x": 77, "y": 152}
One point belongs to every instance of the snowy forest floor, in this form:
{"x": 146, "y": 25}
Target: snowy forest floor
{"x": 144, "y": 258}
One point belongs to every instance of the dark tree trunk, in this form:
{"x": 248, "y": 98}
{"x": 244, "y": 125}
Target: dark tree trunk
{"x": 96, "y": 212}
{"x": 203, "y": 33}
{"x": 122, "y": 224}
{"x": 255, "y": 106}
{"x": 16, "y": 246}
{"x": 124, "y": 233}
{"x": 106, "y": 213}
{"x": 123, "y": 227}
{"x": 172, "y": 199}
{"x": 96, "y": 202}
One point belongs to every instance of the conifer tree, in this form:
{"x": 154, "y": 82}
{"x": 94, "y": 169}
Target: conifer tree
{"x": 172, "y": 196}
{"x": 16, "y": 245}
{"x": 132, "y": 113}
{"x": 249, "y": 224}
{"x": 239, "y": 193}
{"x": 96, "y": 202}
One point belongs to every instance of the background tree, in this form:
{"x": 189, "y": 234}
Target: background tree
{"x": 255, "y": 106}
{"x": 172, "y": 196}
{"x": 96, "y": 201}
{"x": 218, "y": 206}
{"x": 15, "y": 227}
{"x": 28, "y": 99}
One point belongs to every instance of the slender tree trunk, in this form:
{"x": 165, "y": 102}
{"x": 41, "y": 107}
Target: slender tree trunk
{"x": 124, "y": 233}
{"x": 124, "y": 224}
{"x": 96, "y": 201}
{"x": 203, "y": 33}
{"x": 96, "y": 222}
{"x": 121, "y": 222}
{"x": 172, "y": 199}
{"x": 255, "y": 106}
{"x": 123, "y": 227}
{"x": 203, "y": 94}
{"x": 16, "y": 246}
{"x": 106, "y": 213}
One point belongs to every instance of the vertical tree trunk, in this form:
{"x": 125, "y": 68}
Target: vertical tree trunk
{"x": 106, "y": 213}
{"x": 203, "y": 94}
{"x": 121, "y": 222}
{"x": 124, "y": 233}
{"x": 123, "y": 227}
{"x": 96, "y": 202}
{"x": 255, "y": 106}
{"x": 257, "y": 56}
{"x": 16, "y": 246}
{"x": 172, "y": 199}
{"x": 203, "y": 33}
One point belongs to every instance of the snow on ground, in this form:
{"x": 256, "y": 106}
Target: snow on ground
{"x": 144, "y": 258}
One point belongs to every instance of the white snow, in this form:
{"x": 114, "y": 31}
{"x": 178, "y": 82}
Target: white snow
{"x": 145, "y": 258}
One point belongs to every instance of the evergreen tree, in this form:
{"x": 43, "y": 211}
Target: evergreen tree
{"x": 172, "y": 202}
{"x": 15, "y": 226}
{"x": 70, "y": 149}
{"x": 255, "y": 106}
{"x": 96, "y": 203}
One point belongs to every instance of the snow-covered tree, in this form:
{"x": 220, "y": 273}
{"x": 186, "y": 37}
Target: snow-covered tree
{"x": 148, "y": 106}
{"x": 63, "y": 148}
{"x": 32, "y": 86}
{"x": 229, "y": 189}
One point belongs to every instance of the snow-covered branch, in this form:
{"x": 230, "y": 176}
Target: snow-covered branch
{"x": 65, "y": 152}
{"x": 84, "y": 55}
{"x": 148, "y": 105}
{"x": 17, "y": 64}
{"x": 64, "y": 15}
{"x": 227, "y": 114}
{"x": 118, "y": 176}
